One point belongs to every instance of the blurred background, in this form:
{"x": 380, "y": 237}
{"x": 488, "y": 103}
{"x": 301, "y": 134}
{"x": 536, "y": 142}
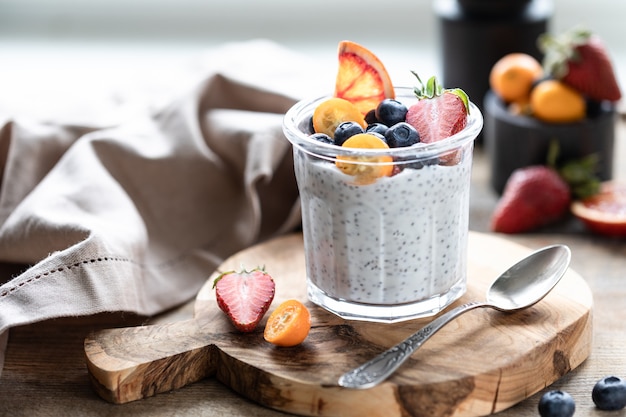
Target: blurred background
{"x": 134, "y": 47}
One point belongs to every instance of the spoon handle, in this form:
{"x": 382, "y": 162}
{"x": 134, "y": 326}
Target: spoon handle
{"x": 382, "y": 366}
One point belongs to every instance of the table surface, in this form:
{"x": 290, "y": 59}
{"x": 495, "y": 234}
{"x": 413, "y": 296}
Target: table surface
{"x": 45, "y": 371}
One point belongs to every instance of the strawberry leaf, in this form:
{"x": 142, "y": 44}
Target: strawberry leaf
{"x": 560, "y": 49}
{"x": 433, "y": 89}
{"x": 579, "y": 174}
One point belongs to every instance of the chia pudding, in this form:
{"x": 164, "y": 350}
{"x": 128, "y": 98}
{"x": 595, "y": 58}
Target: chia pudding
{"x": 389, "y": 250}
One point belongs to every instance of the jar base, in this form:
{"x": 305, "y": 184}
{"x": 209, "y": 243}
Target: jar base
{"x": 386, "y": 313}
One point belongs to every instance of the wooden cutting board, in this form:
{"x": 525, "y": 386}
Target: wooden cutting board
{"x": 481, "y": 363}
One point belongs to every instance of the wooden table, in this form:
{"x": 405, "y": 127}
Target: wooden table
{"x": 45, "y": 372}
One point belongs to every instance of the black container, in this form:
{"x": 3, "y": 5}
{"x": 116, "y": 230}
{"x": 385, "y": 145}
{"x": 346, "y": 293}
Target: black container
{"x": 474, "y": 34}
{"x": 513, "y": 141}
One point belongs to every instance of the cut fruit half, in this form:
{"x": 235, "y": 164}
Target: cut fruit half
{"x": 365, "y": 169}
{"x": 605, "y": 212}
{"x": 288, "y": 325}
{"x": 332, "y": 112}
{"x": 361, "y": 77}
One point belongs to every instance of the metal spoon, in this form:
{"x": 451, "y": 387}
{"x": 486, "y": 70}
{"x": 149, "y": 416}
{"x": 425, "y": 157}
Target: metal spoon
{"x": 521, "y": 286}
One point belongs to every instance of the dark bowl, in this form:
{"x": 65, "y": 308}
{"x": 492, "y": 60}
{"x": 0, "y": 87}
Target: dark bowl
{"x": 513, "y": 141}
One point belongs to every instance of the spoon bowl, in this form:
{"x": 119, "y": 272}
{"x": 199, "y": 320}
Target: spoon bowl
{"x": 530, "y": 280}
{"x": 521, "y": 286}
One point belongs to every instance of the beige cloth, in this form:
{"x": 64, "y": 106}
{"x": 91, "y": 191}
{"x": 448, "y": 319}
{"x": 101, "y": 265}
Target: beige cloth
{"x": 135, "y": 217}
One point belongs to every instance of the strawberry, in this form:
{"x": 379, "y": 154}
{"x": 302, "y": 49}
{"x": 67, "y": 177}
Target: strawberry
{"x": 244, "y": 296}
{"x": 533, "y": 196}
{"x": 439, "y": 113}
{"x": 580, "y": 59}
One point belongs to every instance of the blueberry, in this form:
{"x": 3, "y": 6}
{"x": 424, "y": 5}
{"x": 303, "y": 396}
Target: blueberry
{"x": 346, "y": 130}
{"x": 370, "y": 117}
{"x": 377, "y": 127}
{"x": 609, "y": 393}
{"x": 556, "y": 404}
{"x": 390, "y": 112}
{"x": 401, "y": 134}
{"x": 409, "y": 163}
{"x": 322, "y": 137}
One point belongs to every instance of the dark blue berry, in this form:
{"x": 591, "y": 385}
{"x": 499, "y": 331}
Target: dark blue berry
{"x": 609, "y": 393}
{"x": 370, "y": 117}
{"x": 419, "y": 164}
{"x": 346, "y": 130}
{"x": 322, "y": 137}
{"x": 556, "y": 404}
{"x": 377, "y": 127}
{"x": 390, "y": 112}
{"x": 401, "y": 135}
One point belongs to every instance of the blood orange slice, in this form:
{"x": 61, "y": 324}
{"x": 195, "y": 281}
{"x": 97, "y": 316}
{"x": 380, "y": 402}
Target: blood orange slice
{"x": 605, "y": 212}
{"x": 361, "y": 77}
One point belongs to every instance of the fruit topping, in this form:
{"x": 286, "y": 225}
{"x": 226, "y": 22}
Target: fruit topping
{"x": 533, "y": 196}
{"x": 361, "y": 77}
{"x": 365, "y": 114}
{"x": 556, "y": 403}
{"x": 365, "y": 168}
{"x": 512, "y": 77}
{"x": 244, "y": 296}
{"x": 346, "y": 130}
{"x": 332, "y": 112}
{"x": 439, "y": 113}
{"x": 288, "y": 325}
{"x": 579, "y": 58}
{"x": 609, "y": 393}
{"x": 553, "y": 101}
{"x": 401, "y": 135}
{"x": 604, "y": 212}
{"x": 377, "y": 128}
{"x": 390, "y": 111}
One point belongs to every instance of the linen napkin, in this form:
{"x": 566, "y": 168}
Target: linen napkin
{"x": 135, "y": 216}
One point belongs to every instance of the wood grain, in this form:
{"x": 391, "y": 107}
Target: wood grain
{"x": 481, "y": 363}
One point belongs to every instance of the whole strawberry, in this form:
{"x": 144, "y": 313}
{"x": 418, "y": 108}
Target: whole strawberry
{"x": 580, "y": 59}
{"x": 533, "y": 196}
{"x": 244, "y": 296}
{"x": 439, "y": 113}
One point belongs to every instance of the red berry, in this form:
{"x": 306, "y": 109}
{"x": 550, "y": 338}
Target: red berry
{"x": 439, "y": 113}
{"x": 244, "y": 296}
{"x": 580, "y": 59}
{"x": 533, "y": 196}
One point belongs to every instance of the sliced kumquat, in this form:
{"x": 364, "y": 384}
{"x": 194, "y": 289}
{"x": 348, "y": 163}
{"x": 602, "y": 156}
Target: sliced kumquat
{"x": 362, "y": 78}
{"x": 288, "y": 325}
{"x": 366, "y": 169}
{"x": 331, "y": 113}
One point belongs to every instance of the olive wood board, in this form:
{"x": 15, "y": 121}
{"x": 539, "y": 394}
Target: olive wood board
{"x": 483, "y": 362}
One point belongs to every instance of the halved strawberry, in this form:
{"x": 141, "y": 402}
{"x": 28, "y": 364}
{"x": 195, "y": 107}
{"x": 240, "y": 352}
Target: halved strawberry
{"x": 244, "y": 296}
{"x": 439, "y": 113}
